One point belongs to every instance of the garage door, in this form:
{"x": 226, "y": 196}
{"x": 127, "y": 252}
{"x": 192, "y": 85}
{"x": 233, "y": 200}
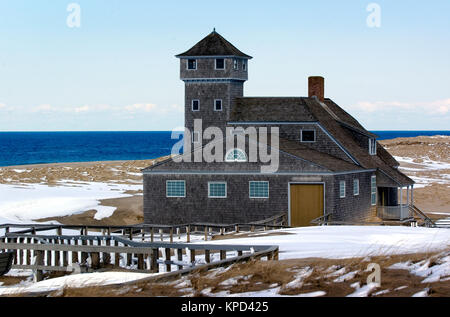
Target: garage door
{"x": 306, "y": 204}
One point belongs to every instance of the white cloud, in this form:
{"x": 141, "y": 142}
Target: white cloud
{"x": 117, "y": 110}
{"x": 141, "y": 107}
{"x": 439, "y": 107}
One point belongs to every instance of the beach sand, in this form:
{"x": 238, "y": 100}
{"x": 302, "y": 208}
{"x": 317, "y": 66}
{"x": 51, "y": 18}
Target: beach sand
{"x": 425, "y": 159}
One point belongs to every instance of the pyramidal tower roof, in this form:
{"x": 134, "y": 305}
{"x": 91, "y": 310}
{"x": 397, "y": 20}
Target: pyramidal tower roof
{"x": 213, "y": 45}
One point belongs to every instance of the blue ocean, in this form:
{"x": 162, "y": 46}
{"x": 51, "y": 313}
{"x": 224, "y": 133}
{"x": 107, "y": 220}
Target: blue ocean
{"x": 22, "y": 148}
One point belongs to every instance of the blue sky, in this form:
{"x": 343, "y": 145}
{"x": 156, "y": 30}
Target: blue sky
{"x": 118, "y": 70}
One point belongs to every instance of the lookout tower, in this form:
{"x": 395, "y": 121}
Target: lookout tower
{"x": 214, "y": 72}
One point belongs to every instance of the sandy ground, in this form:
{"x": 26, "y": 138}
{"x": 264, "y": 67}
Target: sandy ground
{"x": 426, "y": 159}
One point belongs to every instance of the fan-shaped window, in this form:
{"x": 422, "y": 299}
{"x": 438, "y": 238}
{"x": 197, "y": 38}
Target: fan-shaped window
{"x": 236, "y": 155}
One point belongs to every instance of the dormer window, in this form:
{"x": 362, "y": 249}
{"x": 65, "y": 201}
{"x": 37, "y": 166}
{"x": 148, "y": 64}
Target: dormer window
{"x": 308, "y": 136}
{"x": 235, "y": 64}
{"x": 220, "y": 63}
{"x": 372, "y": 146}
{"x": 192, "y": 64}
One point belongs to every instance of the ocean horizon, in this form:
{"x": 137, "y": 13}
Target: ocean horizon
{"x": 26, "y": 148}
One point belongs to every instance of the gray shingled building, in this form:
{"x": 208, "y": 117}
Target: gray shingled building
{"x": 329, "y": 165}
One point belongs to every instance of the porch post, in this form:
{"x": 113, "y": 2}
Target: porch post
{"x": 412, "y": 195}
{"x": 401, "y": 202}
{"x": 407, "y": 195}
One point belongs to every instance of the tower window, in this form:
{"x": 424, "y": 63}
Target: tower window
{"x": 218, "y": 105}
{"x": 196, "y": 105}
{"x": 192, "y": 64}
{"x": 220, "y": 63}
{"x": 308, "y": 136}
{"x": 236, "y": 64}
{"x": 244, "y": 65}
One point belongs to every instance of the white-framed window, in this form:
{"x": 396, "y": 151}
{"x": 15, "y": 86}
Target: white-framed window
{"x": 258, "y": 189}
{"x": 308, "y": 136}
{"x": 236, "y": 155}
{"x": 342, "y": 189}
{"x": 355, "y": 187}
{"x": 220, "y": 63}
{"x": 244, "y": 65}
{"x": 235, "y": 64}
{"x": 217, "y": 190}
{"x": 195, "y": 105}
{"x": 176, "y": 189}
{"x": 218, "y": 105}
{"x": 191, "y": 64}
{"x": 372, "y": 146}
{"x": 373, "y": 190}
{"x": 196, "y": 137}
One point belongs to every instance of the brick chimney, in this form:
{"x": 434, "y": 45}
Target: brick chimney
{"x": 316, "y": 87}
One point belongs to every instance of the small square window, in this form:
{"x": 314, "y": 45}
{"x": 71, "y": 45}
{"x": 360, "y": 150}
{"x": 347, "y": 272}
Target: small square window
{"x": 218, "y": 105}
{"x": 236, "y": 64}
{"x": 176, "y": 189}
{"x": 259, "y": 189}
{"x": 195, "y": 105}
{"x": 220, "y": 63}
{"x": 217, "y": 190}
{"x": 342, "y": 189}
{"x": 192, "y": 64}
{"x": 308, "y": 136}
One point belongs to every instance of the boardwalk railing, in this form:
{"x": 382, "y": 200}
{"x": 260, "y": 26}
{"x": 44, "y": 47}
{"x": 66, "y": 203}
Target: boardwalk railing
{"x": 149, "y": 232}
{"x": 92, "y": 253}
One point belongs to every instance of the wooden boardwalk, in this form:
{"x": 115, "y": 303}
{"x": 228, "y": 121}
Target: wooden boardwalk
{"x": 131, "y": 248}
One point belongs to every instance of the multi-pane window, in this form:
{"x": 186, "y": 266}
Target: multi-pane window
{"x": 218, "y": 105}
{"x": 195, "y": 105}
{"x": 259, "y": 189}
{"x": 356, "y": 187}
{"x": 373, "y": 190}
{"x": 342, "y": 189}
{"x": 372, "y": 146}
{"x": 235, "y": 64}
{"x": 217, "y": 190}
{"x": 236, "y": 155}
{"x": 192, "y": 64}
{"x": 176, "y": 189}
{"x": 308, "y": 136}
{"x": 220, "y": 63}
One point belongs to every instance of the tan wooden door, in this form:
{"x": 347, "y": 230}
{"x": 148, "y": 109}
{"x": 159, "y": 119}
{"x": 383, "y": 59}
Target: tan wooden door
{"x": 306, "y": 204}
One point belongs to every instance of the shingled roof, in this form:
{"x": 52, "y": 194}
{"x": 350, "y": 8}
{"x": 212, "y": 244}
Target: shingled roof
{"x": 331, "y": 117}
{"x": 274, "y": 109}
{"x": 214, "y": 45}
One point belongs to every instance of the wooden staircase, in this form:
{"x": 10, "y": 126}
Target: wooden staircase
{"x": 421, "y": 218}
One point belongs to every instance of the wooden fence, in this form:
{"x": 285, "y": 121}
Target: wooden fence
{"x": 91, "y": 253}
{"x": 152, "y": 233}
